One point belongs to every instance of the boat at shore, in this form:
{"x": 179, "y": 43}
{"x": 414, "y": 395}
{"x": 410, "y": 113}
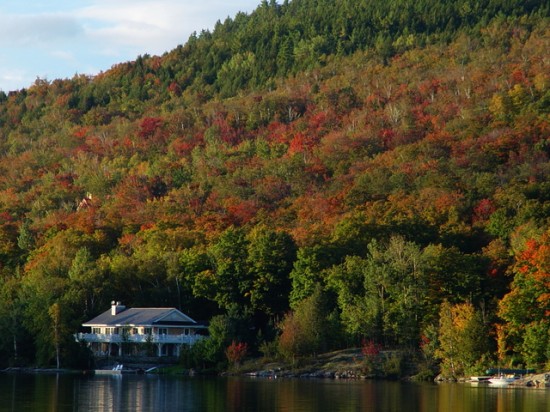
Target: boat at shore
{"x": 501, "y": 376}
{"x": 502, "y": 380}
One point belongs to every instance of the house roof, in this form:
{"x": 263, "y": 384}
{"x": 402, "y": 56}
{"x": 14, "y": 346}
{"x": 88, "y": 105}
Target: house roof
{"x": 143, "y": 317}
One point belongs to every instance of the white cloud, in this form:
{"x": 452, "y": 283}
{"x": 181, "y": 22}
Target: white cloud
{"x": 25, "y": 30}
{"x": 12, "y": 79}
{"x": 59, "y": 38}
{"x": 64, "y": 55}
{"x": 153, "y": 26}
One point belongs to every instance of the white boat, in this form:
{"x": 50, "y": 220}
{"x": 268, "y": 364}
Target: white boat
{"x": 502, "y": 380}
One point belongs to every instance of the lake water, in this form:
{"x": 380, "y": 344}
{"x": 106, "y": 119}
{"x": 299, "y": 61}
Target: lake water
{"x": 58, "y": 393}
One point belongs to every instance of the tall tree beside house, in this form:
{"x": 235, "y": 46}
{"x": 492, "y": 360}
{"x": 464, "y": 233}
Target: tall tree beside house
{"x": 270, "y": 257}
{"x": 47, "y": 283}
{"x": 57, "y": 331}
{"x": 87, "y": 283}
{"x": 39, "y": 298}
{"x": 230, "y": 274}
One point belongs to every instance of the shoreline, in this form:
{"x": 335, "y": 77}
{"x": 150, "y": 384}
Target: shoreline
{"x": 532, "y": 381}
{"x": 346, "y": 364}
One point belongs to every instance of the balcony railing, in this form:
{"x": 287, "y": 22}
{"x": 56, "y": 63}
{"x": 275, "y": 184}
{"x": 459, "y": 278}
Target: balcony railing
{"x": 153, "y": 338}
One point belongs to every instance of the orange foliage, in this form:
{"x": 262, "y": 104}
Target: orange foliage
{"x": 534, "y": 261}
{"x": 240, "y": 211}
{"x": 236, "y": 352}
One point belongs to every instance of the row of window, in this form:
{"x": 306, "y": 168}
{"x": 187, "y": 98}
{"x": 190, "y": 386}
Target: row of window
{"x": 135, "y": 331}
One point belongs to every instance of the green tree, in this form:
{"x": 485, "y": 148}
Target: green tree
{"x": 308, "y": 269}
{"x": 382, "y": 296}
{"x": 57, "y": 331}
{"x": 184, "y": 269}
{"x": 463, "y": 339}
{"x": 306, "y": 330}
{"x": 230, "y": 276}
{"x": 222, "y": 330}
{"x": 270, "y": 258}
{"x": 11, "y": 317}
{"x": 87, "y": 283}
{"x": 25, "y": 240}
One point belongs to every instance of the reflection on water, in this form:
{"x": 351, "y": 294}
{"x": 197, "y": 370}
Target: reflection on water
{"x": 57, "y": 393}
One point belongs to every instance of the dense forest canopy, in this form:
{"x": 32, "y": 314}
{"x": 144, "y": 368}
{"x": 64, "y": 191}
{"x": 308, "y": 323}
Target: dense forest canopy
{"x": 378, "y": 170}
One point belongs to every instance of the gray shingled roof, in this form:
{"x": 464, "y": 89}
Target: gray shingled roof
{"x": 142, "y": 316}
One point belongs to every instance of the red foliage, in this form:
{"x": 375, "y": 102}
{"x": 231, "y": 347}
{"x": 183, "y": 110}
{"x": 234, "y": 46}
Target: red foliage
{"x": 241, "y": 211}
{"x": 182, "y": 146}
{"x": 81, "y": 132}
{"x": 387, "y": 135}
{"x": 424, "y": 341}
{"x": 236, "y": 352}
{"x": 483, "y": 210}
{"x": 518, "y": 76}
{"x": 6, "y": 217}
{"x": 228, "y": 134}
{"x": 297, "y": 144}
{"x": 302, "y": 142}
{"x": 278, "y": 132}
{"x": 175, "y": 89}
{"x": 149, "y": 126}
{"x": 65, "y": 180}
{"x": 370, "y": 349}
{"x": 85, "y": 220}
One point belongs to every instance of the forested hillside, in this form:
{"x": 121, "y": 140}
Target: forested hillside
{"x": 311, "y": 176}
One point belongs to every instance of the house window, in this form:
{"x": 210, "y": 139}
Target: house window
{"x": 186, "y": 331}
{"x": 147, "y": 331}
{"x": 163, "y": 331}
{"x": 108, "y": 331}
{"x": 96, "y": 330}
{"x": 135, "y": 331}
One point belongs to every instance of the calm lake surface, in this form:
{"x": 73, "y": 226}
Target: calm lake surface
{"x": 59, "y": 393}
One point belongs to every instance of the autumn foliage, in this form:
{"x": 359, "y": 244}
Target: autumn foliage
{"x": 372, "y": 156}
{"x": 236, "y": 352}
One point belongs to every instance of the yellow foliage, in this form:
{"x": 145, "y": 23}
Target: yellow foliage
{"x": 499, "y": 106}
{"x": 518, "y": 95}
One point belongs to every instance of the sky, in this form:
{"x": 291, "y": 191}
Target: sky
{"x": 56, "y": 39}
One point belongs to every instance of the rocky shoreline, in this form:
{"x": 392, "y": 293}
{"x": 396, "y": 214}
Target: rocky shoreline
{"x": 345, "y": 364}
{"x": 350, "y": 364}
{"x": 529, "y": 381}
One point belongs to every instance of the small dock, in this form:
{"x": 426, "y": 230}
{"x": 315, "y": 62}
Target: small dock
{"x": 107, "y": 372}
{"x": 480, "y": 378}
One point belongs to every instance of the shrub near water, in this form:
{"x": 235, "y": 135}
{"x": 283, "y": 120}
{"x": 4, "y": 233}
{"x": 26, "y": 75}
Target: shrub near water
{"x": 236, "y": 352}
{"x": 371, "y": 352}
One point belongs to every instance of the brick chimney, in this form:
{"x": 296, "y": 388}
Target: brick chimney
{"x": 116, "y": 308}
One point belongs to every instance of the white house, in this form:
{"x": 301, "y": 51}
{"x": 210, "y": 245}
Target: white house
{"x": 140, "y": 332}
